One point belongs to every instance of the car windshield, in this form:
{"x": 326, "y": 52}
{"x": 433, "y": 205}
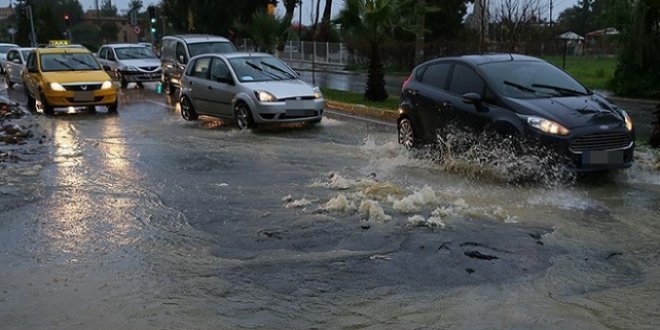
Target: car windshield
{"x": 531, "y": 79}
{"x": 199, "y": 48}
{"x": 68, "y": 62}
{"x": 261, "y": 68}
{"x": 4, "y": 49}
{"x": 132, "y": 53}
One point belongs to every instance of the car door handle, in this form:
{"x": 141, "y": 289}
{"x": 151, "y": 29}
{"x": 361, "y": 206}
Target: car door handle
{"x": 447, "y": 105}
{"x": 209, "y": 87}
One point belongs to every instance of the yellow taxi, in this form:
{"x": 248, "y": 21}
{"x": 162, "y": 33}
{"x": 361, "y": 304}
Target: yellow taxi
{"x": 67, "y": 77}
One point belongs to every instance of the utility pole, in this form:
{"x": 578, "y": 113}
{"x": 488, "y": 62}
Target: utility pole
{"x": 33, "y": 35}
{"x": 550, "y": 13}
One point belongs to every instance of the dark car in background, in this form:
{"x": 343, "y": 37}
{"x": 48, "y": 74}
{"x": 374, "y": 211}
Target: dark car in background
{"x": 516, "y": 96}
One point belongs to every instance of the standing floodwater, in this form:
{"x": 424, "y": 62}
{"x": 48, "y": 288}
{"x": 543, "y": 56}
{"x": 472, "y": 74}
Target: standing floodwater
{"x": 145, "y": 221}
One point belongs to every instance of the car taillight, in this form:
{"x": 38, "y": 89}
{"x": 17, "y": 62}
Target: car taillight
{"x": 405, "y": 82}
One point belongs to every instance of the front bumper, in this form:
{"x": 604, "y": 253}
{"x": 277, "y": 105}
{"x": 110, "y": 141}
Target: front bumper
{"x": 289, "y": 111}
{"x": 80, "y": 98}
{"x": 587, "y": 150}
{"x": 141, "y": 76}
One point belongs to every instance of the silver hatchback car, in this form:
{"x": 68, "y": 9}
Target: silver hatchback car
{"x": 251, "y": 88}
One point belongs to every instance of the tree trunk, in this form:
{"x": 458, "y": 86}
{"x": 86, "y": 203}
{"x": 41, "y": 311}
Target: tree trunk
{"x": 375, "y": 77}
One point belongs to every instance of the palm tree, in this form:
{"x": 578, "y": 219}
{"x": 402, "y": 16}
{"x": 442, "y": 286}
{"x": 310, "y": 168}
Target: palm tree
{"x": 370, "y": 22}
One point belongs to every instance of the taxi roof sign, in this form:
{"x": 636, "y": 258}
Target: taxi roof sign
{"x": 62, "y": 42}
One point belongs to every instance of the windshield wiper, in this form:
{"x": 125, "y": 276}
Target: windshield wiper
{"x": 64, "y": 63}
{"x": 258, "y": 68}
{"x": 520, "y": 87}
{"x": 83, "y": 63}
{"x": 561, "y": 90}
{"x": 275, "y": 67}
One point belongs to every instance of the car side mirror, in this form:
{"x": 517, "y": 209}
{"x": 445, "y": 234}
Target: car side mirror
{"x": 107, "y": 68}
{"x": 33, "y": 70}
{"x": 225, "y": 80}
{"x": 16, "y": 60}
{"x": 474, "y": 98}
{"x": 182, "y": 59}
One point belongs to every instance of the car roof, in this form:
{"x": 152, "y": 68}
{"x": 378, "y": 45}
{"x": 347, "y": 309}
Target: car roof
{"x": 60, "y": 50}
{"x": 476, "y": 59}
{"x": 238, "y": 54}
{"x": 117, "y": 45}
{"x": 195, "y": 38}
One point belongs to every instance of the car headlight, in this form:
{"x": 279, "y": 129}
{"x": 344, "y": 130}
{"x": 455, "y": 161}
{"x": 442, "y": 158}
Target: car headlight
{"x": 629, "y": 123}
{"x": 57, "y": 87}
{"x": 317, "y": 93}
{"x": 264, "y": 96}
{"x": 547, "y": 126}
{"x": 106, "y": 84}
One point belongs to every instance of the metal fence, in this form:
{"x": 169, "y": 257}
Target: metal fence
{"x": 307, "y": 53}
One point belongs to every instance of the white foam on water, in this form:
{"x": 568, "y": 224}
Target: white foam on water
{"x": 372, "y": 210}
{"x": 413, "y": 202}
{"x": 341, "y": 203}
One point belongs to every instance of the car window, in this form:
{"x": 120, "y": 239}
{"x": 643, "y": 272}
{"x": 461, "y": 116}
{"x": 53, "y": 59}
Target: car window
{"x": 219, "y": 70}
{"x": 25, "y": 53}
{"x": 68, "y": 62}
{"x": 201, "y": 68}
{"x": 103, "y": 53}
{"x": 210, "y": 47}
{"x": 436, "y": 75}
{"x": 5, "y": 49}
{"x": 465, "y": 80}
{"x": 260, "y": 69}
{"x": 12, "y": 54}
{"x": 531, "y": 79}
{"x": 181, "y": 52}
{"x": 132, "y": 53}
{"x": 31, "y": 61}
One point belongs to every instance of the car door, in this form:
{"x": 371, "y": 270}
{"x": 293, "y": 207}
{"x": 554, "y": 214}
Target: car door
{"x": 429, "y": 97}
{"x": 466, "y": 114}
{"x": 198, "y": 85}
{"x": 221, "y": 87}
{"x": 14, "y": 65}
{"x": 31, "y": 75}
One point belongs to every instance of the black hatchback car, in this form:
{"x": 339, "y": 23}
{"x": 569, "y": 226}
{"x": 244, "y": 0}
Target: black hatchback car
{"x": 519, "y": 96}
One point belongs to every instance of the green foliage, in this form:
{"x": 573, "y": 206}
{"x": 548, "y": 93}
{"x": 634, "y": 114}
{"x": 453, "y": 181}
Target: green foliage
{"x": 595, "y": 72}
{"x": 638, "y": 70}
{"x": 265, "y": 30}
{"x": 391, "y": 103}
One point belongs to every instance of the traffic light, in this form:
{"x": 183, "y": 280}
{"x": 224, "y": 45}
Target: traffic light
{"x": 67, "y": 21}
{"x": 152, "y": 18}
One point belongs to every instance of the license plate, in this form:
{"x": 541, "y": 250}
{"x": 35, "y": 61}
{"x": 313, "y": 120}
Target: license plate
{"x": 83, "y": 96}
{"x": 602, "y": 157}
{"x": 299, "y": 113}
{"x": 299, "y": 104}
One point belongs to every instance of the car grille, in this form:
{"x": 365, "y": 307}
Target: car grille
{"x": 149, "y": 68}
{"x": 601, "y": 141}
{"x": 86, "y": 87}
{"x": 310, "y": 97}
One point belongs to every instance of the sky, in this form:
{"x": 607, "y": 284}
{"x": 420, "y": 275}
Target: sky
{"x": 308, "y": 7}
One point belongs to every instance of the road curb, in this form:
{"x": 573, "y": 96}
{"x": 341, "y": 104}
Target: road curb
{"x": 363, "y": 110}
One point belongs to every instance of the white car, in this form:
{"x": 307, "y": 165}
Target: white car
{"x": 4, "y": 48}
{"x": 14, "y": 64}
{"x": 130, "y": 63}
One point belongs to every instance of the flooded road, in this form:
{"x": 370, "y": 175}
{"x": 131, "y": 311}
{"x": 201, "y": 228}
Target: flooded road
{"x": 145, "y": 221}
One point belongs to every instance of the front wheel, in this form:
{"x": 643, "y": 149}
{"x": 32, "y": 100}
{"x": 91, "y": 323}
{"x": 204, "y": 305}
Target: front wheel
{"x": 243, "y": 116}
{"x": 406, "y": 133}
{"x": 10, "y": 84}
{"x": 48, "y": 109}
{"x": 187, "y": 111}
{"x": 31, "y": 102}
{"x": 112, "y": 108}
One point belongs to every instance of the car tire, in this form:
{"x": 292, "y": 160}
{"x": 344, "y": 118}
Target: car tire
{"x": 10, "y": 84}
{"x": 187, "y": 111}
{"x": 406, "y": 134}
{"x": 48, "y": 109}
{"x": 31, "y": 102}
{"x": 112, "y": 108}
{"x": 122, "y": 81}
{"x": 243, "y": 116}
